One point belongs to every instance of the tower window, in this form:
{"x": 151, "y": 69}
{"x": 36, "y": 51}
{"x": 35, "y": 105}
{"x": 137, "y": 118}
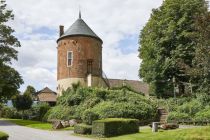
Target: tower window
{"x": 69, "y": 58}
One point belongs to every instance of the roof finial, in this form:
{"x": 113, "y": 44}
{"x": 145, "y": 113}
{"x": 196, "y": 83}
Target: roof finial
{"x": 79, "y": 12}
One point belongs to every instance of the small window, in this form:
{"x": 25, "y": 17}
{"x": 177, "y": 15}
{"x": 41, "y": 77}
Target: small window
{"x": 69, "y": 58}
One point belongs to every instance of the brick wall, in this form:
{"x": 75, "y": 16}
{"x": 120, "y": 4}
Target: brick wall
{"x": 83, "y": 48}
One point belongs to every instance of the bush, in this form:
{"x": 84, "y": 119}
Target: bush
{"x": 203, "y": 115}
{"x": 176, "y": 116}
{"x": 59, "y": 113}
{"x": 114, "y": 126}
{"x": 89, "y": 116}
{"x": 141, "y": 111}
{"x": 3, "y": 136}
{"x": 39, "y": 110}
{"x": 190, "y": 108}
{"x": 82, "y": 129}
{"x": 9, "y": 112}
{"x": 105, "y": 103}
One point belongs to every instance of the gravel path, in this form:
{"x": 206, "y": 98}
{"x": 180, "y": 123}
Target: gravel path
{"x": 25, "y": 133}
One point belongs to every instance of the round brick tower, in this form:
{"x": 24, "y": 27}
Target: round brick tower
{"x": 79, "y": 57}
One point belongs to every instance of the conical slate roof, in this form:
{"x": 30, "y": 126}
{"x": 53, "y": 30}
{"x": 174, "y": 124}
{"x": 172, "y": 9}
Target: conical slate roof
{"x": 79, "y": 28}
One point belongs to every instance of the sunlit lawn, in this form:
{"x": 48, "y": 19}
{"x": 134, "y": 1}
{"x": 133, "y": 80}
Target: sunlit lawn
{"x": 201, "y": 133}
{"x": 35, "y": 124}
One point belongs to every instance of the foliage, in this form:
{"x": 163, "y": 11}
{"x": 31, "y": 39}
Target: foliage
{"x": 7, "y": 112}
{"x": 173, "y": 116}
{"x": 30, "y": 91}
{"x": 22, "y": 102}
{"x": 58, "y": 113}
{"x": 168, "y": 45}
{"x": 10, "y": 79}
{"x": 82, "y": 129}
{"x": 40, "y": 110}
{"x": 114, "y": 126}
{"x": 89, "y": 116}
{"x": 190, "y": 108}
{"x": 3, "y": 136}
{"x": 203, "y": 114}
{"x": 89, "y": 104}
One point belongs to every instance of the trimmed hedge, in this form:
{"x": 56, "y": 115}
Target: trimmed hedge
{"x": 82, "y": 129}
{"x": 114, "y": 126}
{"x": 3, "y": 136}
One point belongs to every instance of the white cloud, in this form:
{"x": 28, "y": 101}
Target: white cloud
{"x": 112, "y": 20}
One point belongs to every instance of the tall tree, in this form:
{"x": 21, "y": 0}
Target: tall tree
{"x": 10, "y": 79}
{"x": 168, "y": 45}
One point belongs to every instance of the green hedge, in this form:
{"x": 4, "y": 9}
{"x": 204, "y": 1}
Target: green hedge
{"x": 82, "y": 129}
{"x": 114, "y": 126}
{"x": 3, "y": 136}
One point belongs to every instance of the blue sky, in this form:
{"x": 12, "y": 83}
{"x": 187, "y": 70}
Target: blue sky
{"x": 117, "y": 22}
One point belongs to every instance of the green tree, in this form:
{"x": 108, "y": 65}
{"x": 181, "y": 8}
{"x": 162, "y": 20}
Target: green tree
{"x": 10, "y": 79}
{"x": 168, "y": 45}
{"x": 30, "y": 91}
{"x": 200, "y": 73}
{"x": 22, "y": 102}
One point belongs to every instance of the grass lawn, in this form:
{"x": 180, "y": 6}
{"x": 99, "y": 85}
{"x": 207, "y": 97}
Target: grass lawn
{"x": 3, "y": 136}
{"x": 35, "y": 124}
{"x": 201, "y": 133}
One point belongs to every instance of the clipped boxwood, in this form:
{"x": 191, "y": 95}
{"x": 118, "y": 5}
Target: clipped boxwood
{"x": 82, "y": 129}
{"x": 114, "y": 126}
{"x": 3, "y": 136}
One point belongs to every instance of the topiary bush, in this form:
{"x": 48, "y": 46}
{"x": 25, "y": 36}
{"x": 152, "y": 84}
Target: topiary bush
{"x": 3, "y": 136}
{"x": 114, "y": 126}
{"x": 82, "y": 129}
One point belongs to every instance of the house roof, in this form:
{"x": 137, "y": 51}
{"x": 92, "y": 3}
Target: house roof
{"x": 46, "y": 95}
{"x": 136, "y": 85}
{"x": 79, "y": 28}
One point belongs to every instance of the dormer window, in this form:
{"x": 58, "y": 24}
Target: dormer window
{"x": 69, "y": 58}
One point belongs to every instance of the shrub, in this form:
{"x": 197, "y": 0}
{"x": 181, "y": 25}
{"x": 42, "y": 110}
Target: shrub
{"x": 82, "y": 129}
{"x": 3, "y": 136}
{"x": 59, "y": 113}
{"x": 40, "y": 110}
{"x": 203, "y": 114}
{"x": 114, "y": 126}
{"x": 203, "y": 98}
{"x": 89, "y": 116}
{"x": 175, "y": 116}
{"x": 190, "y": 108}
{"x": 141, "y": 111}
{"x": 105, "y": 103}
{"x": 9, "y": 112}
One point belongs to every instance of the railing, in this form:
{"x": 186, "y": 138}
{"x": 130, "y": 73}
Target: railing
{"x": 106, "y": 80}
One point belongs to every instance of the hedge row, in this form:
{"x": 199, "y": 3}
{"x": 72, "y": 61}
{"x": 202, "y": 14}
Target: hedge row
{"x": 3, "y": 136}
{"x": 83, "y": 129}
{"x": 114, "y": 126}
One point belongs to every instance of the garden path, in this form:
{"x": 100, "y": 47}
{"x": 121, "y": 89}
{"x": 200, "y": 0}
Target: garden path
{"x": 17, "y": 132}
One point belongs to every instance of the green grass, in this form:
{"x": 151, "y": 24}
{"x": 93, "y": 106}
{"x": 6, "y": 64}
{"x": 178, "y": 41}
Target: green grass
{"x": 3, "y": 136}
{"x": 35, "y": 124}
{"x": 201, "y": 133}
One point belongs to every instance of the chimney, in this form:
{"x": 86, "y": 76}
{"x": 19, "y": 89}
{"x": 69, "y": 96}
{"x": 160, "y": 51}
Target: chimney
{"x": 61, "y": 27}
